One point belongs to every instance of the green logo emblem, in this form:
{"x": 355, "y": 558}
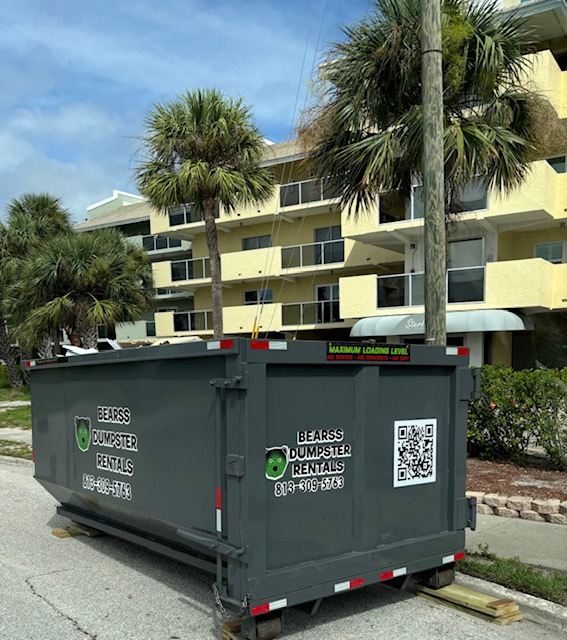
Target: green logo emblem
{"x": 276, "y": 462}
{"x": 83, "y": 432}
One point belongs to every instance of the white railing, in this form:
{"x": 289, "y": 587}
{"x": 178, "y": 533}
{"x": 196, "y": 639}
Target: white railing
{"x": 159, "y": 243}
{"x": 194, "y": 269}
{"x": 193, "y": 321}
{"x": 293, "y": 194}
{"x": 305, "y": 255}
{"x": 317, "y": 312}
{"x": 463, "y": 284}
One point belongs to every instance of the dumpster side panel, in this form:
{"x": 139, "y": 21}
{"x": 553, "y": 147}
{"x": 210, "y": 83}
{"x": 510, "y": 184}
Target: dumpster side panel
{"x": 310, "y": 428}
{"x": 408, "y": 453}
{"x": 147, "y": 453}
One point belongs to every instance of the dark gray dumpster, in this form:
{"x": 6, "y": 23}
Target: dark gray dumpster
{"x": 291, "y": 471}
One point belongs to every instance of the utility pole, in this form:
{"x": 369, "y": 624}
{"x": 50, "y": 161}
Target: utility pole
{"x": 433, "y": 173}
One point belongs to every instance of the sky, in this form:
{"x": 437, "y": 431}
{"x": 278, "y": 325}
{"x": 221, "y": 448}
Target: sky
{"x": 78, "y": 77}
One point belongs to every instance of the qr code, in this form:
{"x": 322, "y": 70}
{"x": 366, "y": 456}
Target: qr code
{"x": 415, "y": 452}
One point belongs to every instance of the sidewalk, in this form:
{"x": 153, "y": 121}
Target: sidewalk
{"x": 539, "y": 543}
{"x": 16, "y": 435}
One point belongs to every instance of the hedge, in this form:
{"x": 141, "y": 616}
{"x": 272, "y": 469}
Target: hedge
{"x": 518, "y": 409}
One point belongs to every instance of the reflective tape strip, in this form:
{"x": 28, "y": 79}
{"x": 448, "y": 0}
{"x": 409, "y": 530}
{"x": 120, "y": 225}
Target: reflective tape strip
{"x": 278, "y": 346}
{"x": 272, "y": 345}
{"x": 220, "y": 344}
{"x": 457, "y": 351}
{"x": 394, "y": 573}
{"x": 268, "y": 606}
{"x": 453, "y": 558}
{"x": 350, "y": 584}
{"x": 218, "y": 507}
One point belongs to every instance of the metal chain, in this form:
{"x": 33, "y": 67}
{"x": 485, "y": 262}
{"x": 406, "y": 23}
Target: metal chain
{"x": 222, "y": 608}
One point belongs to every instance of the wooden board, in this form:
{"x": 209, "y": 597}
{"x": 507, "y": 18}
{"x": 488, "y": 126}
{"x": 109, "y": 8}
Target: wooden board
{"x": 501, "y": 620}
{"x": 231, "y": 631}
{"x": 498, "y": 611}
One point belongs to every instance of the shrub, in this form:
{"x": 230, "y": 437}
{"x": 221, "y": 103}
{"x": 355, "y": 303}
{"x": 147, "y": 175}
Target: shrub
{"x": 517, "y": 409}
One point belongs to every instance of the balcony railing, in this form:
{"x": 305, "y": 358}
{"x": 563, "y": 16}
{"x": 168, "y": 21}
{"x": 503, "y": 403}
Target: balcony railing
{"x": 464, "y": 284}
{"x": 195, "y": 269}
{"x": 298, "y": 193}
{"x": 186, "y": 214}
{"x": 193, "y": 321}
{"x": 392, "y": 209}
{"x": 305, "y": 255}
{"x": 158, "y": 243}
{"x": 298, "y": 313}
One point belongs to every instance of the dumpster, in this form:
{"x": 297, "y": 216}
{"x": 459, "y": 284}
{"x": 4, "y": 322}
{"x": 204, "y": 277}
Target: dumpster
{"x": 290, "y": 470}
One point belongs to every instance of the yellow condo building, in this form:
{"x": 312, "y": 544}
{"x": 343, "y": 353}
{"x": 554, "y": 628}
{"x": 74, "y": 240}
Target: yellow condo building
{"x": 301, "y": 267}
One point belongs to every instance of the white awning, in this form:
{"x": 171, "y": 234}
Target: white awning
{"x": 476, "y": 321}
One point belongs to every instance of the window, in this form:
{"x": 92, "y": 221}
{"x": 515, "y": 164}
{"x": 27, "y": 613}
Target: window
{"x": 334, "y": 248}
{"x": 163, "y": 292}
{"x": 550, "y": 251}
{"x": 466, "y": 253}
{"x": 166, "y": 309}
{"x": 102, "y": 331}
{"x": 151, "y": 329}
{"x": 258, "y": 296}
{"x": 558, "y": 163}
{"x": 328, "y": 303}
{"x": 256, "y": 242}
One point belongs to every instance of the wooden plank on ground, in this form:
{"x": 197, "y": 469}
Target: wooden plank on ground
{"x": 499, "y": 611}
{"x": 501, "y": 620}
{"x": 472, "y": 600}
{"x": 231, "y": 631}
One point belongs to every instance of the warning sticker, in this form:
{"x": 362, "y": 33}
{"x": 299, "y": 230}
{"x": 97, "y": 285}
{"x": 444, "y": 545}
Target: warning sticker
{"x": 350, "y": 351}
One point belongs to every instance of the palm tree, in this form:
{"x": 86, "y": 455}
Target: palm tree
{"x": 203, "y": 149}
{"x": 366, "y": 133}
{"x": 81, "y": 280}
{"x": 32, "y": 219}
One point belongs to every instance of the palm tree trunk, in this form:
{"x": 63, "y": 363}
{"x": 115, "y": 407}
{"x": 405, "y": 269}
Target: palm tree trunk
{"x": 85, "y": 327}
{"x": 214, "y": 261}
{"x": 7, "y": 354}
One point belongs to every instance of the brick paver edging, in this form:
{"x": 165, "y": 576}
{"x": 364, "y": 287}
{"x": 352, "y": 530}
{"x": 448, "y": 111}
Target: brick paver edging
{"x": 523, "y": 507}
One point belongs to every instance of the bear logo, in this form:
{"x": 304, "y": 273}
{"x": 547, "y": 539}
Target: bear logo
{"x": 83, "y": 432}
{"x": 276, "y": 462}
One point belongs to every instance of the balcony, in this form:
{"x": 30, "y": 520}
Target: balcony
{"x": 190, "y": 321}
{"x": 158, "y": 244}
{"x": 392, "y": 224}
{"x": 531, "y": 285}
{"x": 306, "y": 193}
{"x": 194, "y": 269}
{"x": 316, "y": 254}
{"x": 310, "y": 313}
{"x": 166, "y": 294}
{"x": 407, "y": 289}
{"x": 241, "y": 319}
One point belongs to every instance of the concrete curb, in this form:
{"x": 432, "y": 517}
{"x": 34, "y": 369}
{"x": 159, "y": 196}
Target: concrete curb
{"x": 22, "y": 462}
{"x": 547, "y": 614}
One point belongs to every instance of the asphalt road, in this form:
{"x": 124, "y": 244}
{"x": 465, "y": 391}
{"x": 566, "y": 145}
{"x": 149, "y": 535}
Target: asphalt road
{"x": 104, "y": 589}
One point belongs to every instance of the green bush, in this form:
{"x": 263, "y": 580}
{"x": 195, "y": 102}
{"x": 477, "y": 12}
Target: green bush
{"x": 517, "y": 409}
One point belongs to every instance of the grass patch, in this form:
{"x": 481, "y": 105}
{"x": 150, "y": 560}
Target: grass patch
{"x": 15, "y": 449}
{"x": 18, "y": 418}
{"x": 514, "y": 574}
{"x": 6, "y": 395}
